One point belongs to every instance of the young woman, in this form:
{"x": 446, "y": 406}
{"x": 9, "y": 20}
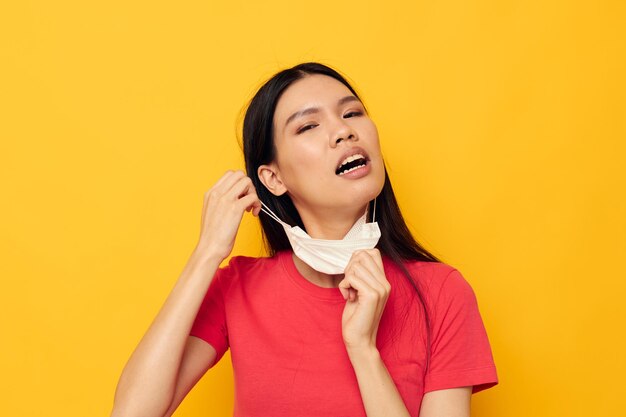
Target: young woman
{"x": 348, "y": 315}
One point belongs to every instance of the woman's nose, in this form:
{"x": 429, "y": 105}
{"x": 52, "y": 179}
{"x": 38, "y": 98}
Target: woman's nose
{"x": 341, "y": 132}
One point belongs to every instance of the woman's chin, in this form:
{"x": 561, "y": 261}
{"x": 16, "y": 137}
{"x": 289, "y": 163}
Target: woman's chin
{"x": 360, "y": 196}
{"x": 365, "y": 188}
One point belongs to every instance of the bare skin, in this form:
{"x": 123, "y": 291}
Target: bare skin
{"x": 168, "y": 362}
{"x": 308, "y": 150}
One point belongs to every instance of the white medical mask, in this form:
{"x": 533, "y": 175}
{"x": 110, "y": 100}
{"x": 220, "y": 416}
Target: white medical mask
{"x": 328, "y": 255}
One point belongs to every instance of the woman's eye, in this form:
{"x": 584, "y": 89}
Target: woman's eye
{"x": 311, "y": 126}
{"x": 304, "y": 128}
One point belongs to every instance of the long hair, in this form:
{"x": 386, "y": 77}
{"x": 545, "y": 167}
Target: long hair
{"x": 396, "y": 240}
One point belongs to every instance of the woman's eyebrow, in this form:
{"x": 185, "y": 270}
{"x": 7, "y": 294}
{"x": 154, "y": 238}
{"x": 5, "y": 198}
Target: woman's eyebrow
{"x": 311, "y": 110}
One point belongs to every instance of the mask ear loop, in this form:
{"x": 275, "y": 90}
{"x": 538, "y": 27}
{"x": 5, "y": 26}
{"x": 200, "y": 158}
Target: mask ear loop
{"x": 270, "y": 213}
{"x": 374, "y": 213}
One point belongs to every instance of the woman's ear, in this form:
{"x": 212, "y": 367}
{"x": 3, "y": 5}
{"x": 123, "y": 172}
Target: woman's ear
{"x": 269, "y": 176}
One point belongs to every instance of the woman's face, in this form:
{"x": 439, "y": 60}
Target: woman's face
{"x": 318, "y": 122}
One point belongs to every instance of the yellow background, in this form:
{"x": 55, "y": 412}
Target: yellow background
{"x": 502, "y": 123}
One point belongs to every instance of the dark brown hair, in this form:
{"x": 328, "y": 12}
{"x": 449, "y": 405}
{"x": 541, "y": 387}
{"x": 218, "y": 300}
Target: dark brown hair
{"x": 396, "y": 240}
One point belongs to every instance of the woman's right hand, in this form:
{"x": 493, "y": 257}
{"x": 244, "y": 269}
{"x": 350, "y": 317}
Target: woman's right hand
{"x": 223, "y": 209}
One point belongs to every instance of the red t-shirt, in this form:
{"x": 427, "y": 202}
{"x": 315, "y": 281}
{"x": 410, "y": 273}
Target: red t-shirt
{"x": 287, "y": 350}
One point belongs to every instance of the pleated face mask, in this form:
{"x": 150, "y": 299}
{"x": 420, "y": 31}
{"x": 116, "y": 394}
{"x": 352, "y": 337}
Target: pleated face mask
{"x": 328, "y": 255}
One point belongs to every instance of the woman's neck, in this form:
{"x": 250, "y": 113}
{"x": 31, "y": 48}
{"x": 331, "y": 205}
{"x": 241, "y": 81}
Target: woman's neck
{"x": 333, "y": 226}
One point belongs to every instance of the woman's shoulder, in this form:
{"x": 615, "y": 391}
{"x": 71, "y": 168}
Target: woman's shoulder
{"x": 246, "y": 266}
{"x": 426, "y": 270}
{"x": 244, "y": 263}
{"x": 436, "y": 279}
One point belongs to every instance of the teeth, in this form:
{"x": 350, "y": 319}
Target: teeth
{"x": 351, "y": 169}
{"x": 350, "y": 159}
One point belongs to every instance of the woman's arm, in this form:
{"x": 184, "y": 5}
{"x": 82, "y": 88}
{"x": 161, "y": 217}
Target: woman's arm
{"x": 148, "y": 382}
{"x": 366, "y": 290}
{"x": 361, "y": 316}
{"x": 381, "y": 397}
{"x": 453, "y": 402}
{"x": 378, "y": 391}
{"x": 153, "y": 381}
{"x": 199, "y": 356}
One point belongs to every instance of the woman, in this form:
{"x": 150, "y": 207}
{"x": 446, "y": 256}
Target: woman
{"x": 345, "y": 319}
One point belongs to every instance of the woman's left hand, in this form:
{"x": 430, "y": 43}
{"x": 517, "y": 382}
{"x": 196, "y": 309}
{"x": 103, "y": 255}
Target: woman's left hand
{"x": 366, "y": 290}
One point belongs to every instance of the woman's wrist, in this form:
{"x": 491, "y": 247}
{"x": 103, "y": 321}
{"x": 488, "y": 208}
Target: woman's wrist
{"x": 204, "y": 254}
{"x": 201, "y": 265}
{"x": 358, "y": 354}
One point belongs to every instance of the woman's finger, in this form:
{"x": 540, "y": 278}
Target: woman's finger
{"x": 373, "y": 258}
{"x": 369, "y": 262}
{"x": 252, "y": 202}
{"x": 223, "y": 178}
{"x": 377, "y": 256}
{"x": 241, "y": 188}
{"x": 365, "y": 273}
{"x": 364, "y": 289}
{"x": 228, "y": 182}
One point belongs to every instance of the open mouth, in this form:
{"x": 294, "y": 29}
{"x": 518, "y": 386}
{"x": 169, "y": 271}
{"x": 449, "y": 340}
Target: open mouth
{"x": 352, "y": 164}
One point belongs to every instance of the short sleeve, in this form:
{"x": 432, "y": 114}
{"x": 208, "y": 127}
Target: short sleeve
{"x": 210, "y": 322}
{"x": 460, "y": 351}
